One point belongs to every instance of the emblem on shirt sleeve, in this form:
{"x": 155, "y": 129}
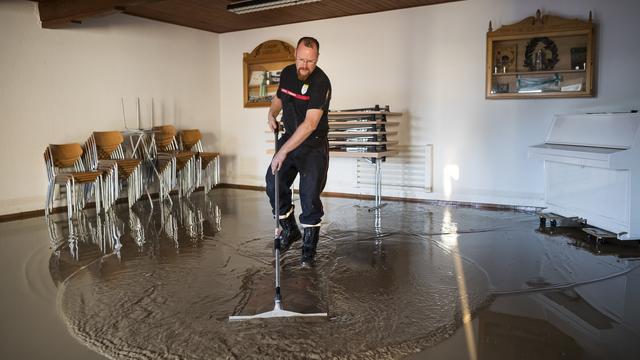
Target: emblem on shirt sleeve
{"x": 304, "y": 89}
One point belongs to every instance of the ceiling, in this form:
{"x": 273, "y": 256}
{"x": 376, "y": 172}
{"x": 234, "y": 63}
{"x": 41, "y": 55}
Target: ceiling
{"x": 211, "y": 15}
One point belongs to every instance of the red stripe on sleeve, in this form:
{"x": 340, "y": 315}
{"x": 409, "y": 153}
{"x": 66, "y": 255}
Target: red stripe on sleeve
{"x": 295, "y": 95}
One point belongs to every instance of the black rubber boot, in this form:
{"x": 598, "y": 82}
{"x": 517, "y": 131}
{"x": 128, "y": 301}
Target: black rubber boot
{"x": 290, "y": 232}
{"x": 309, "y": 243}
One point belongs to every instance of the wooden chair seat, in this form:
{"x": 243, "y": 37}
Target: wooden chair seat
{"x": 163, "y": 164}
{"x": 182, "y": 157}
{"x": 85, "y": 176}
{"x": 207, "y": 157}
{"x": 126, "y": 167}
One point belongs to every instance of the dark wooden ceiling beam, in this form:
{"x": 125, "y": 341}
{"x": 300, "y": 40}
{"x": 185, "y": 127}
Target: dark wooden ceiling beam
{"x": 61, "y": 13}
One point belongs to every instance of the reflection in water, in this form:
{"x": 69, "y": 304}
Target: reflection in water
{"x": 450, "y": 237}
{"x": 89, "y": 238}
{"x": 506, "y": 336}
{"x": 594, "y": 321}
{"x": 136, "y": 229}
{"x": 103, "y": 232}
{"x": 586, "y": 319}
{"x": 377, "y": 224}
{"x": 389, "y": 290}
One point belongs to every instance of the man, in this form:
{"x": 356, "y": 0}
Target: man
{"x": 303, "y": 95}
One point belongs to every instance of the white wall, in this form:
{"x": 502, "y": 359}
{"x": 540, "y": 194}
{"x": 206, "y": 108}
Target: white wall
{"x": 56, "y": 86}
{"x": 428, "y": 62}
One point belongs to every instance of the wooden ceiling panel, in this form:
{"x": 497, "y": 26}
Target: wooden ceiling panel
{"x": 212, "y": 15}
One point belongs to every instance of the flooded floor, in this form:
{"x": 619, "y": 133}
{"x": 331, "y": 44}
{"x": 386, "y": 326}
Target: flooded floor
{"x": 412, "y": 281}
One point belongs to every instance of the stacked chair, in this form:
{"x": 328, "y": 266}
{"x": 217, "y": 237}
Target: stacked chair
{"x": 174, "y": 165}
{"x": 207, "y": 163}
{"x": 105, "y": 149}
{"x": 65, "y": 168}
{"x": 98, "y": 171}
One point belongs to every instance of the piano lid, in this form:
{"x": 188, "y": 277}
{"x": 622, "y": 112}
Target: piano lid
{"x": 606, "y": 130}
{"x": 574, "y": 154}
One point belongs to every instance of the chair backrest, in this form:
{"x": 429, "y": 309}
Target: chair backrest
{"x": 65, "y": 155}
{"x": 63, "y": 158}
{"x": 107, "y": 142}
{"x": 165, "y": 137}
{"x": 190, "y": 139}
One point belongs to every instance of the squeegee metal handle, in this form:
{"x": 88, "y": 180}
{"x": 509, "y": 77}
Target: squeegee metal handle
{"x": 277, "y": 188}
{"x": 276, "y": 240}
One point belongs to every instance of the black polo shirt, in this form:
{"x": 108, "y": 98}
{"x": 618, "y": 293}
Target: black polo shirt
{"x": 299, "y": 96}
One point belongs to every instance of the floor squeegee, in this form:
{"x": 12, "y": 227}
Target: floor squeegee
{"x": 277, "y": 311}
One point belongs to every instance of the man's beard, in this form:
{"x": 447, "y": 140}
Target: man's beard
{"x": 301, "y": 76}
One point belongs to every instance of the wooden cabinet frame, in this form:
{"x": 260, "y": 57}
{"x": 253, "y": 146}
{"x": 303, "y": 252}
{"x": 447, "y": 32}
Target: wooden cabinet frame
{"x": 270, "y": 56}
{"x": 559, "y": 45}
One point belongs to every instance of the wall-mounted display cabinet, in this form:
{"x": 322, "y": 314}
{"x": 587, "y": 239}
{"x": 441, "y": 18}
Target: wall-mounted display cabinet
{"x": 261, "y": 70}
{"x": 541, "y": 57}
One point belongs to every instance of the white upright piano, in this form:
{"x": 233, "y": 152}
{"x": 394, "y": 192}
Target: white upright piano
{"x": 592, "y": 170}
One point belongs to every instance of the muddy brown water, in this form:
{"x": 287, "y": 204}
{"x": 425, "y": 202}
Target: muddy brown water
{"x": 401, "y": 282}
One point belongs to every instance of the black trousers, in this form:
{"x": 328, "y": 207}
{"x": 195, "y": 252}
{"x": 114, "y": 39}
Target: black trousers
{"x": 311, "y": 161}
